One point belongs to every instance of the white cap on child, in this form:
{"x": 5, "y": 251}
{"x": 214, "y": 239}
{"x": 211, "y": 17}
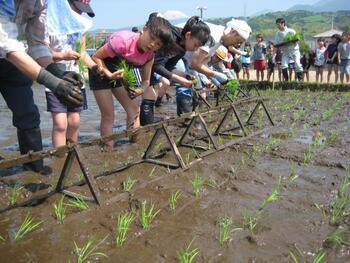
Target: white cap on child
{"x": 241, "y": 26}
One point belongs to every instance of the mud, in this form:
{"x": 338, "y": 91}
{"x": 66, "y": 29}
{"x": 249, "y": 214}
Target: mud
{"x": 237, "y": 178}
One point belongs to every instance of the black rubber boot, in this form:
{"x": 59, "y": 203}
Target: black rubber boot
{"x": 285, "y": 74}
{"x": 299, "y": 76}
{"x": 30, "y": 140}
{"x": 159, "y": 102}
{"x": 147, "y": 112}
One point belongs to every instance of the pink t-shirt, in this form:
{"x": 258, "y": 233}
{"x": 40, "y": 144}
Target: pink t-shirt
{"x": 123, "y": 43}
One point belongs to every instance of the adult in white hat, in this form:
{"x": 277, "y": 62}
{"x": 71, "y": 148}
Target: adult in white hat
{"x": 236, "y": 32}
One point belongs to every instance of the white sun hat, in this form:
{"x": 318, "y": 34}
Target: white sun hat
{"x": 241, "y": 26}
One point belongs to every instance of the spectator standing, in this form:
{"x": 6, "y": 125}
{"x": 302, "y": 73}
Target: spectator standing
{"x": 271, "y": 61}
{"x": 320, "y": 59}
{"x": 332, "y": 62}
{"x": 259, "y": 57}
{"x": 290, "y": 50}
{"x": 246, "y": 61}
{"x": 344, "y": 57}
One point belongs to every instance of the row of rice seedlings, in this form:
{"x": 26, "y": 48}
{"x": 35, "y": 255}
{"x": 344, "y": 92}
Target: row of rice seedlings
{"x": 123, "y": 224}
{"x": 225, "y": 225}
{"x": 197, "y": 182}
{"x": 147, "y": 214}
{"x": 173, "y": 199}
{"x": 293, "y": 174}
{"x": 317, "y": 141}
{"x": 298, "y": 256}
{"x": 28, "y": 225}
{"x": 128, "y": 183}
{"x": 274, "y": 195}
{"x": 88, "y": 251}
{"x": 14, "y": 194}
{"x": 188, "y": 254}
{"x": 60, "y": 209}
{"x": 338, "y": 237}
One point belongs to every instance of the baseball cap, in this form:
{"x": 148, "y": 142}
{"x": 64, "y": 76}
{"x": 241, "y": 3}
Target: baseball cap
{"x": 83, "y": 6}
{"x": 221, "y": 53}
{"x": 241, "y": 26}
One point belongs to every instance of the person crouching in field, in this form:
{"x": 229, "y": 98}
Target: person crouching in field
{"x": 344, "y": 57}
{"x": 137, "y": 50}
{"x": 332, "y": 62}
{"x": 320, "y": 59}
{"x": 259, "y": 57}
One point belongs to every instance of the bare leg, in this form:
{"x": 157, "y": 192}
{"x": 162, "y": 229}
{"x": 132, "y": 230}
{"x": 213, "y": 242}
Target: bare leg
{"x": 59, "y": 128}
{"x": 73, "y": 126}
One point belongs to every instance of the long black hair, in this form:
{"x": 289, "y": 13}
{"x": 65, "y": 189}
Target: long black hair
{"x": 198, "y": 29}
{"x": 162, "y": 29}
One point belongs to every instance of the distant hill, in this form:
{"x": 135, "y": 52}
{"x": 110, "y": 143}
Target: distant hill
{"x": 324, "y": 6}
{"x": 306, "y": 22}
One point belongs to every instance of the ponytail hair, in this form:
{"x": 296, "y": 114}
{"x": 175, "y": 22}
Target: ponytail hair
{"x": 161, "y": 28}
{"x": 198, "y": 29}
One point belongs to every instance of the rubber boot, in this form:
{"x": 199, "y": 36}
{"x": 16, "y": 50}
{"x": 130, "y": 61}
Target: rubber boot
{"x": 30, "y": 140}
{"x": 285, "y": 74}
{"x": 159, "y": 102}
{"x": 147, "y": 112}
{"x": 299, "y": 76}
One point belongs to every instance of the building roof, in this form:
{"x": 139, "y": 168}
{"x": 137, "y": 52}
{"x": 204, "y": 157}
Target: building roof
{"x": 328, "y": 33}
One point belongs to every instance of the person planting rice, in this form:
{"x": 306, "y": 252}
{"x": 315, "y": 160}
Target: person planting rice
{"x": 65, "y": 36}
{"x": 235, "y": 33}
{"x": 290, "y": 50}
{"x": 194, "y": 34}
{"x": 137, "y": 50}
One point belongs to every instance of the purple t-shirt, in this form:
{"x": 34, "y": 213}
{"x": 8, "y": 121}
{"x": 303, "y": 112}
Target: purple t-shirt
{"x": 123, "y": 43}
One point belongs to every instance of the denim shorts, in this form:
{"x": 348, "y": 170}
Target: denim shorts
{"x": 54, "y": 105}
{"x": 345, "y": 66}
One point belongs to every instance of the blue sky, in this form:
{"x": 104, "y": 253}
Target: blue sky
{"x": 123, "y": 13}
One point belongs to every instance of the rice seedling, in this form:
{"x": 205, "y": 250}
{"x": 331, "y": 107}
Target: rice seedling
{"x": 225, "y": 225}
{"x": 298, "y": 256}
{"x": 128, "y": 183}
{"x": 293, "y": 174}
{"x": 129, "y": 79}
{"x": 88, "y": 251}
{"x": 195, "y": 152}
{"x": 188, "y": 158}
{"x": 123, "y": 223}
{"x": 158, "y": 147}
{"x": 60, "y": 209}
{"x": 321, "y": 208}
{"x": 28, "y": 225}
{"x": 255, "y": 152}
{"x": 274, "y": 195}
{"x": 327, "y": 114}
{"x": 2, "y": 238}
{"x": 332, "y": 138}
{"x": 188, "y": 254}
{"x": 232, "y": 170}
{"x": 250, "y": 219}
{"x": 197, "y": 182}
{"x": 344, "y": 185}
{"x": 81, "y": 64}
{"x": 340, "y": 208}
{"x": 151, "y": 174}
{"x": 147, "y": 214}
{"x": 78, "y": 202}
{"x": 14, "y": 194}
{"x": 336, "y": 238}
{"x": 243, "y": 160}
{"x": 174, "y": 197}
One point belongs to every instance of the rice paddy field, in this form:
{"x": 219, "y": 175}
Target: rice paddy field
{"x": 282, "y": 195}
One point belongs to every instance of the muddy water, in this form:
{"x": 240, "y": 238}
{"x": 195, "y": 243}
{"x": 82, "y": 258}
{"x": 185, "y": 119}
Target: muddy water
{"x": 237, "y": 178}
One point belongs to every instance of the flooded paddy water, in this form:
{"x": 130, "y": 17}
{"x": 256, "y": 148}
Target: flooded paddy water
{"x": 302, "y": 160}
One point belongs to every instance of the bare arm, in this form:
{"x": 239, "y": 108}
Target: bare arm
{"x": 198, "y": 63}
{"x": 98, "y": 57}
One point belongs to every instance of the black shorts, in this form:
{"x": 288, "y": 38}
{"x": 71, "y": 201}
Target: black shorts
{"x": 99, "y": 83}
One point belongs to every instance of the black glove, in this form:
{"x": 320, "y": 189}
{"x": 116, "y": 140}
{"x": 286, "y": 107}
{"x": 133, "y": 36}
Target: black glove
{"x": 70, "y": 76}
{"x": 68, "y": 93}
